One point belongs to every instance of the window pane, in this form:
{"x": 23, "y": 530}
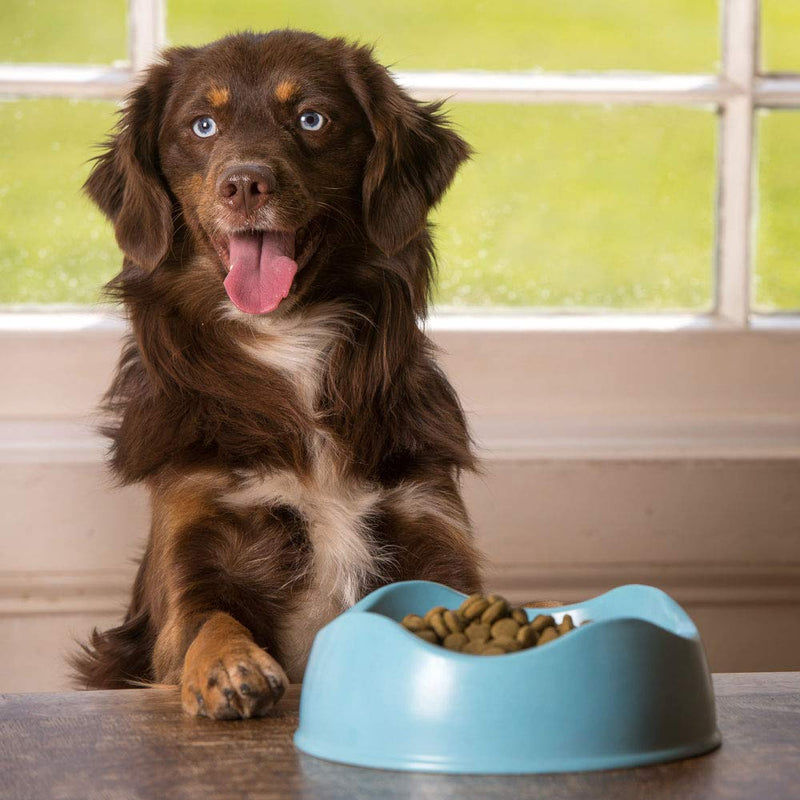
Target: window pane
{"x": 675, "y": 35}
{"x": 777, "y": 273}
{"x": 54, "y": 245}
{"x": 85, "y": 31}
{"x": 780, "y": 29}
{"x": 576, "y": 207}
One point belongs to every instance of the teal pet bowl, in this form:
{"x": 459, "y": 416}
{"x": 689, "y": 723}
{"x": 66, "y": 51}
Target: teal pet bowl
{"x": 631, "y": 688}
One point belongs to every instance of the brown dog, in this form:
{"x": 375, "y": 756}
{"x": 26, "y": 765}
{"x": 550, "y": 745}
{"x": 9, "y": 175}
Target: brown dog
{"x": 270, "y": 194}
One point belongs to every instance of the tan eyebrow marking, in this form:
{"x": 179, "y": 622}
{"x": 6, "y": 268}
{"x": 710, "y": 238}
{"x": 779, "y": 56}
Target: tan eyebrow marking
{"x": 218, "y": 96}
{"x": 285, "y": 89}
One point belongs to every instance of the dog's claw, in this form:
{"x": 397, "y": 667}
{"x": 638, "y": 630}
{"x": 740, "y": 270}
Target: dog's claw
{"x": 276, "y": 686}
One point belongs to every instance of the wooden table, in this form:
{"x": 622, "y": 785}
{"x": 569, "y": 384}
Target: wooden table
{"x": 132, "y": 745}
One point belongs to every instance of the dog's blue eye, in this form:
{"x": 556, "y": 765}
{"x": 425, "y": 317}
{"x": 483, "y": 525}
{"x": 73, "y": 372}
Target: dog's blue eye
{"x": 204, "y": 127}
{"x": 312, "y": 120}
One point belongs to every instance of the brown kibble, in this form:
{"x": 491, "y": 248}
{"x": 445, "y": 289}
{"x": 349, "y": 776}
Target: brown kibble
{"x": 527, "y": 636}
{"x": 505, "y": 627}
{"x": 455, "y": 641}
{"x": 541, "y": 622}
{"x": 507, "y": 643}
{"x": 486, "y": 625}
{"x": 414, "y": 622}
{"x": 519, "y": 616}
{"x": 471, "y": 599}
{"x": 496, "y": 610}
{"x": 566, "y": 625}
{"x": 453, "y": 621}
{"x": 475, "y": 609}
{"x": 547, "y": 635}
{"x": 434, "y": 610}
{"x": 437, "y": 623}
{"x": 478, "y": 632}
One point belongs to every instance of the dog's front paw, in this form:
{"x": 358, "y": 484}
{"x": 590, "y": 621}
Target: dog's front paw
{"x": 241, "y": 680}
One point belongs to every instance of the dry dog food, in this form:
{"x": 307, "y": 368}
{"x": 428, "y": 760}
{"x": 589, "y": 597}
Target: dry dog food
{"x": 486, "y": 625}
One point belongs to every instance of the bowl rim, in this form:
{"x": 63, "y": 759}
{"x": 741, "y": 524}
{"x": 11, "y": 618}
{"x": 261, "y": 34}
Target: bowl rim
{"x": 684, "y": 628}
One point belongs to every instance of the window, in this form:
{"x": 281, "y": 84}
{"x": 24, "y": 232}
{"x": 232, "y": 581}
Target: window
{"x": 590, "y": 191}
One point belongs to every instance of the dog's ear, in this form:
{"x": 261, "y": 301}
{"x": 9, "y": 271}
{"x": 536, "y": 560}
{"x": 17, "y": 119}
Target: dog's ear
{"x": 414, "y": 157}
{"x": 126, "y": 180}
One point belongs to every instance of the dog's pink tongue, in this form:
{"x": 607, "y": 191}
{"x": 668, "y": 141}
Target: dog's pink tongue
{"x": 262, "y": 270}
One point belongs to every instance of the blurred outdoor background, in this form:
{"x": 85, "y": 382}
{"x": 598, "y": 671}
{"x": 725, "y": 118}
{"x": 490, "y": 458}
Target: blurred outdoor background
{"x": 563, "y": 207}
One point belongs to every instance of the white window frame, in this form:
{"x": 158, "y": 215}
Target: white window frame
{"x": 735, "y": 406}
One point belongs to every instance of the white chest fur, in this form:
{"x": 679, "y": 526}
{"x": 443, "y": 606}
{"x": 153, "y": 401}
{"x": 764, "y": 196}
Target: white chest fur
{"x": 335, "y": 508}
{"x": 298, "y": 346}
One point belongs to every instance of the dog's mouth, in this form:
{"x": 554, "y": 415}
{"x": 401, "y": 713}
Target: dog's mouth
{"x": 262, "y": 264}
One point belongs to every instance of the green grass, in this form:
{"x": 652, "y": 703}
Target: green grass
{"x": 581, "y": 206}
{"x": 780, "y": 21}
{"x": 675, "y": 35}
{"x": 55, "y": 247}
{"x": 81, "y": 31}
{"x": 577, "y": 207}
{"x": 777, "y": 279}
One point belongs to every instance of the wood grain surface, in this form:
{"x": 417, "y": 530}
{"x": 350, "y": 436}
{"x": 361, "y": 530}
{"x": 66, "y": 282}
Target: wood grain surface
{"x": 137, "y": 745}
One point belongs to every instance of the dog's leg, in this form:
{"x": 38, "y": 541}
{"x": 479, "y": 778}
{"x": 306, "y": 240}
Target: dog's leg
{"x": 226, "y": 675}
{"x": 208, "y": 558}
{"x": 427, "y": 527}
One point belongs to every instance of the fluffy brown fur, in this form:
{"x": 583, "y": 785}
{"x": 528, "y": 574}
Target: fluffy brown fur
{"x": 296, "y": 459}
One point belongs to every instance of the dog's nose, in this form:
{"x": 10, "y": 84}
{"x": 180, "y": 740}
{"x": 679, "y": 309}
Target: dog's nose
{"x": 246, "y": 187}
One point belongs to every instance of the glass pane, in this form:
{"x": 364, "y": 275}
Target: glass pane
{"x": 576, "y": 207}
{"x": 560, "y": 207}
{"x": 674, "y": 35}
{"x": 780, "y": 30}
{"x": 83, "y": 31}
{"x": 54, "y": 245}
{"x": 777, "y": 273}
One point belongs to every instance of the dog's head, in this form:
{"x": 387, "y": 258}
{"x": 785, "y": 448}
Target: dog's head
{"x": 261, "y": 146}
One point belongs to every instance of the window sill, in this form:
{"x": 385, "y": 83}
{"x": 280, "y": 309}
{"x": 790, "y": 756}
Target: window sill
{"x": 74, "y": 319}
{"x": 534, "y": 387}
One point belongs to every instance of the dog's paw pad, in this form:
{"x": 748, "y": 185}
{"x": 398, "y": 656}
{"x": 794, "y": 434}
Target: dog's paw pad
{"x": 226, "y": 695}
